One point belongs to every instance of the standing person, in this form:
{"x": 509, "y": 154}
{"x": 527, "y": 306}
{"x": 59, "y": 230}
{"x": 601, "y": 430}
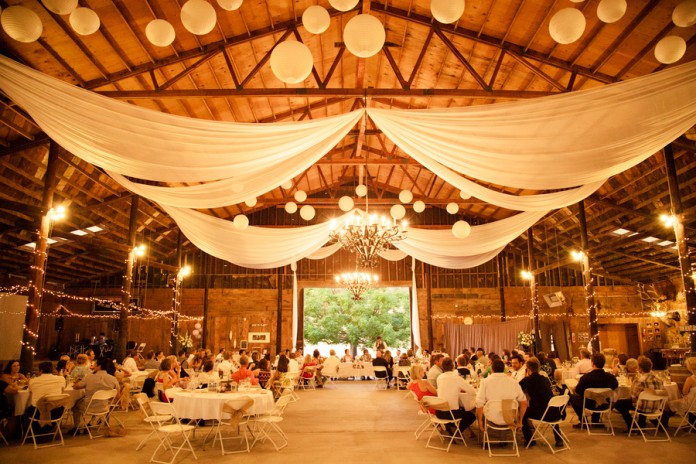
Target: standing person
{"x": 449, "y": 385}
{"x": 538, "y": 390}
{"x": 379, "y": 345}
{"x": 92, "y": 383}
{"x": 596, "y": 378}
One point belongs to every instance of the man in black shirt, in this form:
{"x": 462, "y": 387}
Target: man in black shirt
{"x": 538, "y": 389}
{"x": 596, "y": 378}
{"x": 380, "y": 361}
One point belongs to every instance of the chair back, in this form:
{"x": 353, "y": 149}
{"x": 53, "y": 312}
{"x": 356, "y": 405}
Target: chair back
{"x": 506, "y": 408}
{"x": 101, "y": 401}
{"x": 436, "y": 403}
{"x": 163, "y": 409}
{"x": 237, "y": 405}
{"x": 601, "y": 396}
{"x": 651, "y": 401}
{"x": 380, "y": 372}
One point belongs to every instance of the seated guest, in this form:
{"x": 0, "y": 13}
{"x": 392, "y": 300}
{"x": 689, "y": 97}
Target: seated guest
{"x": 129, "y": 364}
{"x": 645, "y": 380}
{"x": 243, "y": 373}
{"x": 346, "y": 358}
{"x": 82, "y": 368}
{"x": 418, "y": 385}
{"x": 404, "y": 361}
{"x": 196, "y": 364}
{"x": 331, "y": 364}
{"x": 281, "y": 371}
{"x": 538, "y": 389}
{"x": 545, "y": 365}
{"x": 390, "y": 364}
{"x": 318, "y": 359}
{"x": 46, "y": 383}
{"x": 449, "y": 386}
{"x": 596, "y": 378}
{"x": 585, "y": 364}
{"x": 309, "y": 371}
{"x": 99, "y": 380}
{"x": 618, "y": 364}
{"x": 150, "y": 361}
{"x": 366, "y": 357}
{"x": 499, "y": 386}
{"x": 208, "y": 374}
{"x": 553, "y": 357}
{"x": 293, "y": 363}
{"x": 264, "y": 372}
{"x": 6, "y": 389}
{"x": 462, "y": 366}
{"x": 631, "y": 368}
{"x": 382, "y": 362}
{"x": 435, "y": 369}
{"x": 64, "y": 366}
{"x": 226, "y": 367}
{"x": 688, "y": 391}
{"x": 518, "y": 371}
{"x": 11, "y": 374}
{"x": 166, "y": 378}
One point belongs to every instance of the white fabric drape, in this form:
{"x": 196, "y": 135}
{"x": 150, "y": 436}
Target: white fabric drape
{"x": 415, "y": 317}
{"x": 554, "y": 142}
{"x": 295, "y": 309}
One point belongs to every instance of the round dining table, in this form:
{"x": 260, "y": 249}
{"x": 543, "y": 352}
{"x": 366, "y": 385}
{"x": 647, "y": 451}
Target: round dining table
{"x": 22, "y": 399}
{"x": 205, "y": 405}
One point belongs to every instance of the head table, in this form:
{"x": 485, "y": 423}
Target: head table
{"x": 202, "y": 404}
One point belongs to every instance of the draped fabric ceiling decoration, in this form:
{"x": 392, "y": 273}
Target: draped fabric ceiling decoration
{"x": 487, "y": 113}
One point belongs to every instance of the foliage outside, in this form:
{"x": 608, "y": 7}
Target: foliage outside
{"x": 332, "y": 316}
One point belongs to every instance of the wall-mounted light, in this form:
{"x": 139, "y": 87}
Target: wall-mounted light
{"x": 577, "y": 255}
{"x": 139, "y": 250}
{"x": 526, "y": 275}
{"x": 668, "y": 220}
{"x": 57, "y": 213}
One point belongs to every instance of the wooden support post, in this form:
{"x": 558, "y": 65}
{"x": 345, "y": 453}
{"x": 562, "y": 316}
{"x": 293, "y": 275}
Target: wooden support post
{"x": 176, "y": 299}
{"x": 206, "y": 295}
{"x": 123, "y": 327}
{"x": 534, "y": 293}
{"x": 500, "y": 267}
{"x": 587, "y": 280}
{"x": 279, "y": 311}
{"x": 427, "y": 280}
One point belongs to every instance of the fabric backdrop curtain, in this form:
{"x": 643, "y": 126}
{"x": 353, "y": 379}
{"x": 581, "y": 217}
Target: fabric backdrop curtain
{"x": 415, "y": 315}
{"x": 491, "y": 337}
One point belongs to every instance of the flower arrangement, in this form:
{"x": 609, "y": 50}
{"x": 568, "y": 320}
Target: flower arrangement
{"x": 525, "y": 339}
{"x": 185, "y": 341}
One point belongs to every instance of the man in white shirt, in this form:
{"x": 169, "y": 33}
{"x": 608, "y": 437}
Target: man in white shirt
{"x": 499, "y": 386}
{"x": 226, "y": 366}
{"x": 449, "y": 385}
{"x": 518, "y": 369}
{"x": 46, "y": 383}
{"x": 435, "y": 369}
{"x": 585, "y": 364}
{"x": 129, "y": 364}
{"x": 293, "y": 365}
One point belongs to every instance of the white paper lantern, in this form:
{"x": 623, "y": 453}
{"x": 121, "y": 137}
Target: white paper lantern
{"x": 405, "y": 196}
{"x": 397, "y": 212}
{"x": 577, "y": 1}
{"x": 452, "y": 208}
{"x": 291, "y": 207}
{"x": 447, "y": 11}
{"x": 198, "y": 325}
{"x": 345, "y": 204}
{"x": 419, "y": 206}
{"x": 364, "y": 35}
{"x": 250, "y": 202}
{"x": 84, "y": 21}
{"x": 195, "y": 332}
{"x": 22, "y": 24}
{"x": 461, "y": 229}
{"x": 307, "y": 212}
{"x": 567, "y": 25}
{"x": 60, "y": 7}
{"x": 287, "y": 185}
{"x": 610, "y": 11}
{"x": 229, "y": 5}
{"x": 300, "y": 196}
{"x": 198, "y": 17}
{"x": 670, "y": 49}
{"x": 684, "y": 15}
{"x": 291, "y": 61}
{"x": 160, "y": 33}
{"x": 241, "y": 222}
{"x": 316, "y": 19}
{"x": 343, "y": 5}
{"x": 361, "y": 190}
{"x": 464, "y": 195}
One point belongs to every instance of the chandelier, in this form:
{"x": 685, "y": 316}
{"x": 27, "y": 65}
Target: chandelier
{"x": 367, "y": 235}
{"x": 356, "y": 282}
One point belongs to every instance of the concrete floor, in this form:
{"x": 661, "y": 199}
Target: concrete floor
{"x": 352, "y": 422}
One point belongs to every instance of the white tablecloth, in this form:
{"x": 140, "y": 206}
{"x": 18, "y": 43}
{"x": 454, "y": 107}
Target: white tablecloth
{"x": 201, "y": 404}
{"x": 563, "y": 374}
{"x": 22, "y": 399}
{"x": 355, "y": 370}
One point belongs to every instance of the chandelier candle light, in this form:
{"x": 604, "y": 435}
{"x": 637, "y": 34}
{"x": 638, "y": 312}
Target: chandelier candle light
{"x": 356, "y": 282}
{"x": 367, "y": 235}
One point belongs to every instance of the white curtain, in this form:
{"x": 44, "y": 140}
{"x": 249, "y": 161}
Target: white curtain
{"x": 295, "y": 309}
{"x": 415, "y": 317}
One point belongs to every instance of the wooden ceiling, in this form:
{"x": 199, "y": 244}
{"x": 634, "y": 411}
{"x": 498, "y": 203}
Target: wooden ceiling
{"x": 498, "y": 51}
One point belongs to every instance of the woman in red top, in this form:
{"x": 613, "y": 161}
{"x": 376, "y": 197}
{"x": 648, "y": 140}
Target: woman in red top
{"x": 419, "y": 386}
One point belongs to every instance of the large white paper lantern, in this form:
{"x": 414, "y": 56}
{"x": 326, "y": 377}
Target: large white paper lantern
{"x": 160, "y": 33}
{"x": 345, "y": 204}
{"x": 684, "y": 15}
{"x": 229, "y": 5}
{"x": 307, "y": 212}
{"x": 670, "y": 49}
{"x": 22, "y": 24}
{"x": 361, "y": 190}
{"x": 60, "y": 7}
{"x": 291, "y": 207}
{"x": 198, "y": 17}
{"x": 405, "y": 196}
{"x": 567, "y": 25}
{"x": 343, "y": 5}
{"x": 84, "y": 21}
{"x": 240, "y": 222}
{"x": 316, "y": 19}
{"x": 464, "y": 195}
{"x": 610, "y": 11}
{"x": 291, "y": 61}
{"x": 419, "y": 206}
{"x": 250, "y": 202}
{"x": 447, "y": 11}
{"x": 364, "y": 35}
{"x": 452, "y": 208}
{"x": 287, "y": 185}
{"x": 397, "y": 212}
{"x": 300, "y": 196}
{"x": 461, "y": 229}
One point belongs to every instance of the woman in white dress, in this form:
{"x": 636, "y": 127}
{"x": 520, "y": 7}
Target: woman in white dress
{"x": 689, "y": 390}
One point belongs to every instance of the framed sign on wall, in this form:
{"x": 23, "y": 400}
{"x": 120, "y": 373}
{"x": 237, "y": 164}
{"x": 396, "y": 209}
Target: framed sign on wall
{"x": 259, "y": 337}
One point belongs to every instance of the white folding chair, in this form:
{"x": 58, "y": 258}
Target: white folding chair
{"x": 650, "y": 405}
{"x": 97, "y": 413}
{"x": 495, "y": 407}
{"x": 422, "y": 411}
{"x": 439, "y": 425}
{"x": 685, "y": 423}
{"x": 267, "y": 423}
{"x": 154, "y": 420}
{"x": 3, "y": 423}
{"x": 234, "y": 412}
{"x": 601, "y": 408}
{"x": 403, "y": 377}
{"x": 166, "y": 431}
{"x": 557, "y": 405}
{"x": 35, "y": 420}
{"x": 381, "y": 377}
{"x": 307, "y": 382}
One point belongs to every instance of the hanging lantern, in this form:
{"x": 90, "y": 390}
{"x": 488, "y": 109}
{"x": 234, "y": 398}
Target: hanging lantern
{"x": 307, "y": 212}
{"x": 684, "y": 15}
{"x": 610, "y": 11}
{"x": 251, "y": 202}
{"x": 361, "y": 190}
{"x": 670, "y": 49}
{"x": 300, "y": 196}
{"x": 397, "y": 212}
{"x": 343, "y": 5}
{"x": 464, "y": 195}
{"x": 22, "y": 24}
{"x": 345, "y": 204}
{"x": 364, "y": 35}
{"x": 452, "y": 208}
{"x": 291, "y": 207}
{"x": 567, "y": 25}
{"x": 229, "y": 5}
{"x": 198, "y": 17}
{"x": 287, "y": 185}
{"x": 405, "y": 196}
{"x": 240, "y": 222}
{"x": 198, "y": 325}
{"x": 316, "y": 19}
{"x": 447, "y": 11}
{"x": 84, "y": 21}
{"x": 419, "y": 206}
{"x": 60, "y": 7}
{"x": 461, "y": 229}
{"x": 160, "y": 33}
{"x": 291, "y": 61}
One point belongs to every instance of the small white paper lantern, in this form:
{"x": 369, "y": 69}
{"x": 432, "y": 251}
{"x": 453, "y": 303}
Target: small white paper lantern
{"x": 287, "y": 185}
{"x": 250, "y": 202}
{"x": 461, "y": 229}
{"x": 610, "y": 11}
{"x": 464, "y": 195}
{"x": 195, "y": 333}
{"x": 84, "y": 21}
{"x": 160, "y": 33}
{"x": 300, "y": 196}
{"x": 198, "y": 17}
{"x": 670, "y": 49}
{"x": 241, "y": 222}
{"x": 316, "y": 19}
{"x": 291, "y": 61}
{"x": 452, "y": 208}
{"x": 345, "y": 204}
{"x": 419, "y": 206}
{"x": 567, "y": 25}
{"x": 291, "y": 207}
{"x": 307, "y": 212}
{"x": 447, "y": 11}
{"x": 361, "y": 190}
{"x": 60, "y": 7}
{"x": 364, "y": 35}
{"x": 229, "y": 5}
{"x": 198, "y": 325}
{"x": 405, "y": 196}
{"x": 397, "y": 212}
{"x": 684, "y": 15}
{"x": 343, "y": 5}
{"x": 22, "y": 24}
